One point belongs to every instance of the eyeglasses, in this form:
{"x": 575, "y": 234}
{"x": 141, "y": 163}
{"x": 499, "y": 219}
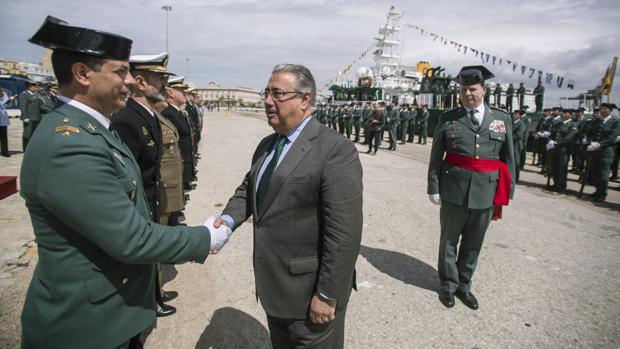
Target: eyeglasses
{"x": 276, "y": 94}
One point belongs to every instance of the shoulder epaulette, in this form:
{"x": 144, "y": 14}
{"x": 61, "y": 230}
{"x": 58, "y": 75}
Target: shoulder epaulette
{"x": 66, "y": 129}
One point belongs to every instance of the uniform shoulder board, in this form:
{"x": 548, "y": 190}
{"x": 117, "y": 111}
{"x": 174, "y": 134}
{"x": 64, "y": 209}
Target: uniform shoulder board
{"x": 499, "y": 110}
{"x": 66, "y": 129}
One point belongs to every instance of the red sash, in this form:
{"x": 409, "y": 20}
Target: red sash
{"x": 502, "y": 193}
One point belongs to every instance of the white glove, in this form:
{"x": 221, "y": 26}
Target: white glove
{"x": 26, "y": 120}
{"x": 435, "y": 199}
{"x": 593, "y": 146}
{"x": 584, "y": 140}
{"x": 617, "y": 140}
{"x": 546, "y": 134}
{"x": 219, "y": 236}
{"x": 537, "y": 135}
{"x": 550, "y": 145}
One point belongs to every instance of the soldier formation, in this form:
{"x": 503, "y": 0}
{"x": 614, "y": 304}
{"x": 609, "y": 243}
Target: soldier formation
{"x": 400, "y": 122}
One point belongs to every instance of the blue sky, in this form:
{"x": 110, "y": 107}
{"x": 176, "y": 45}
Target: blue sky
{"x": 237, "y": 42}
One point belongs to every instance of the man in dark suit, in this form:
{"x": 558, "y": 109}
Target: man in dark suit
{"x": 304, "y": 190}
{"x": 472, "y": 182}
{"x": 139, "y": 129}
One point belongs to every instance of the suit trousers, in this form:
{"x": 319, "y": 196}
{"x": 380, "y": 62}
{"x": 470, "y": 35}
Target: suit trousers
{"x": 456, "y": 270}
{"x": 297, "y": 334}
{"x": 4, "y": 141}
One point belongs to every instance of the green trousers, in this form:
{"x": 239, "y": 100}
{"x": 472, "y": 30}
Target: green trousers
{"x": 457, "y": 265}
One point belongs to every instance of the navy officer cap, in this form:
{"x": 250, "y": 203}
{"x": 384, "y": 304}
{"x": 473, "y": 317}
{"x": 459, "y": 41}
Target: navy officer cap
{"x": 57, "y": 34}
{"x": 473, "y": 74}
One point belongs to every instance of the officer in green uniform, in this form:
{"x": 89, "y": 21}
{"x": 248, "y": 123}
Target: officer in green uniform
{"x": 577, "y": 148}
{"x": 347, "y": 120}
{"x": 392, "y": 120}
{"x": 498, "y": 95}
{"x": 357, "y": 120}
{"x": 563, "y": 135}
{"x": 422, "y": 124}
{"x": 519, "y": 130}
{"x": 510, "y": 92}
{"x": 93, "y": 286}
{"x": 366, "y": 113}
{"x": 521, "y": 95}
{"x": 405, "y": 118}
{"x": 539, "y": 95}
{"x": 413, "y": 119}
{"x": 603, "y": 133}
{"x": 527, "y": 121}
{"x": 471, "y": 183}
{"x": 31, "y": 107}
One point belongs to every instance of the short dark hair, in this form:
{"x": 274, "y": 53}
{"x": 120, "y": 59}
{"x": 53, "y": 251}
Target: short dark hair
{"x": 63, "y": 60}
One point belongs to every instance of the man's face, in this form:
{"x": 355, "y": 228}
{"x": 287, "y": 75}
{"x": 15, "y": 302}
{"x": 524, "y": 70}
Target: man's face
{"x": 605, "y": 112}
{"x": 566, "y": 115}
{"x": 516, "y": 116}
{"x": 177, "y": 96}
{"x": 472, "y": 95}
{"x": 154, "y": 87}
{"x": 287, "y": 112}
{"x": 109, "y": 86}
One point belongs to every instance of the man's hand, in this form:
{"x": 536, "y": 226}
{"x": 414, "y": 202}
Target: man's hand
{"x": 26, "y": 121}
{"x": 219, "y": 234}
{"x": 322, "y": 311}
{"x": 435, "y": 199}
{"x": 219, "y": 221}
{"x": 593, "y": 146}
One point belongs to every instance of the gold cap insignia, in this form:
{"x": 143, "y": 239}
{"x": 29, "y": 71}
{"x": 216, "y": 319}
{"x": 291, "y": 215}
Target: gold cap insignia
{"x": 145, "y": 131}
{"x": 90, "y": 127}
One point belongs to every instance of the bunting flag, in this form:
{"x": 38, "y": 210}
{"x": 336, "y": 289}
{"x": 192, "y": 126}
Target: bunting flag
{"x": 570, "y": 84}
{"x": 549, "y": 78}
{"x": 540, "y": 73}
{"x": 484, "y": 57}
{"x": 560, "y": 81}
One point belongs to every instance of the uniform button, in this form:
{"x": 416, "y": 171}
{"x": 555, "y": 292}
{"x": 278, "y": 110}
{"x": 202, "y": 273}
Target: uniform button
{"x": 477, "y": 157}
{"x": 125, "y": 280}
{"x": 133, "y": 182}
{"x": 157, "y": 202}
{"x": 165, "y": 186}
{"x": 477, "y": 136}
{"x": 477, "y": 145}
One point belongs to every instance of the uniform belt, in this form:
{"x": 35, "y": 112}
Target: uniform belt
{"x": 502, "y": 193}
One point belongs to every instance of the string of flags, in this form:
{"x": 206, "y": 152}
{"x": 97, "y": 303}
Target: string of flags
{"x": 335, "y": 77}
{"x": 487, "y": 57}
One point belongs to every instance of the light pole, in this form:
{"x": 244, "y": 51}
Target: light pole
{"x": 167, "y": 8}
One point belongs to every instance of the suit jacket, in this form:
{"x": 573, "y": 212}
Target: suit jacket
{"x": 141, "y": 132}
{"x": 93, "y": 286}
{"x": 307, "y": 233}
{"x": 456, "y": 133}
{"x": 185, "y": 139}
{"x": 423, "y": 117}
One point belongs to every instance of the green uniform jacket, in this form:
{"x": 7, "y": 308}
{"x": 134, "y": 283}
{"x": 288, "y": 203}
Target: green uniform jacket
{"x": 605, "y": 133}
{"x": 93, "y": 286}
{"x": 519, "y": 129}
{"x": 455, "y": 133}
{"x": 30, "y": 106}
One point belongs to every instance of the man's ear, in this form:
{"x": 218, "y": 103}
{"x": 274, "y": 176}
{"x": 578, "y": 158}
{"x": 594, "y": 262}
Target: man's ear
{"x": 80, "y": 73}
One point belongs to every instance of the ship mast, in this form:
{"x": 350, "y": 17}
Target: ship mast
{"x": 387, "y": 55}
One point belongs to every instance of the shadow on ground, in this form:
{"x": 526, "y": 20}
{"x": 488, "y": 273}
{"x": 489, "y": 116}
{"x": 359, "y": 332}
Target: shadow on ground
{"x": 407, "y": 269}
{"x": 232, "y": 329}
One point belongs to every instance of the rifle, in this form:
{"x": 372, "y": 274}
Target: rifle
{"x": 584, "y": 174}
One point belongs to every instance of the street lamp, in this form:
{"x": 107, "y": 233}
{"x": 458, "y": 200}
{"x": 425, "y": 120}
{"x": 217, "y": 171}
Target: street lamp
{"x": 186, "y": 68}
{"x": 167, "y": 8}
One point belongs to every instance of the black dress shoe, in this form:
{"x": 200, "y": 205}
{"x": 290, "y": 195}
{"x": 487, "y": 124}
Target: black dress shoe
{"x": 167, "y": 296}
{"x": 368, "y": 152}
{"x": 165, "y": 310}
{"x": 468, "y": 299}
{"x": 447, "y": 299}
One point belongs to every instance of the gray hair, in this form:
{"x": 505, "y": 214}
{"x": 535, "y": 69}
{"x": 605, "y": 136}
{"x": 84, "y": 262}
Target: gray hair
{"x": 303, "y": 77}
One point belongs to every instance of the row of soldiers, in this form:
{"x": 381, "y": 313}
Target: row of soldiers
{"x": 566, "y": 136}
{"x": 401, "y": 123}
{"x": 34, "y": 102}
{"x": 511, "y": 92}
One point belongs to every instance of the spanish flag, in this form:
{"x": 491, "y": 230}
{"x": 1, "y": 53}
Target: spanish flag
{"x": 608, "y": 79}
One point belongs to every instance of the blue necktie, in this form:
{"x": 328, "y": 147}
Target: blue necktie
{"x": 264, "y": 180}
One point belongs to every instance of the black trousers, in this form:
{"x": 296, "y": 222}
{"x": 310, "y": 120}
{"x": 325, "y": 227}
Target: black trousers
{"x": 375, "y": 136}
{"x": 297, "y": 334}
{"x": 4, "y": 141}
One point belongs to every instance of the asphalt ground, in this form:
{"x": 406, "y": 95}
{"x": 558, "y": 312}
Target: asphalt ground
{"x": 548, "y": 275}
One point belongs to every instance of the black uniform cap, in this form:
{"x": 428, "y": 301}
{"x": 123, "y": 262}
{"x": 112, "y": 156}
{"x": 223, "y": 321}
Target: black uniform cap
{"x": 609, "y": 106}
{"x": 56, "y": 34}
{"x": 473, "y": 74}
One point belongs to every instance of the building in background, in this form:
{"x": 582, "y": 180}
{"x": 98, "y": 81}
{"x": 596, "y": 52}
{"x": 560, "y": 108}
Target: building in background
{"x": 229, "y": 96}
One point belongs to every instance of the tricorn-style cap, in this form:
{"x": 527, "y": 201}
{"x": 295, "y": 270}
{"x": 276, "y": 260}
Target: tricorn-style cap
{"x": 57, "y": 34}
{"x": 609, "y": 106}
{"x": 473, "y": 74}
{"x": 152, "y": 63}
{"x": 177, "y": 83}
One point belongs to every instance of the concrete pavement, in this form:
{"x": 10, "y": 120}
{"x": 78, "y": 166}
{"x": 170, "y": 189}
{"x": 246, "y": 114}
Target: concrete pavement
{"x": 547, "y": 277}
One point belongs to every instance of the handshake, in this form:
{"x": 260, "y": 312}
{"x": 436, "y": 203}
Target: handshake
{"x": 220, "y": 232}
